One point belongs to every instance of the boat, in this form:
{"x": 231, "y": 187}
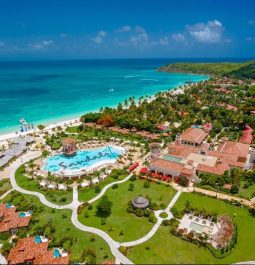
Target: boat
{"x": 23, "y": 121}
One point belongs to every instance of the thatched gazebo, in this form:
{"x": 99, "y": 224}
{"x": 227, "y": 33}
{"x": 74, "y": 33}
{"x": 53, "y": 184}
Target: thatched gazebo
{"x": 140, "y": 202}
{"x": 69, "y": 147}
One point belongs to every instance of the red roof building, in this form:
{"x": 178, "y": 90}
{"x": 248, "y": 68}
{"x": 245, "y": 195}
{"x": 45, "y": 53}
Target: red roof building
{"x": 12, "y": 220}
{"x": 28, "y": 250}
{"x": 246, "y": 137}
{"x": 193, "y": 136}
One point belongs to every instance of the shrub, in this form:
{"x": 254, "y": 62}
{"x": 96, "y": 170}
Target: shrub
{"x": 152, "y": 219}
{"x": 131, "y": 187}
{"x": 163, "y": 215}
{"x": 139, "y": 212}
{"x": 133, "y": 178}
{"x": 146, "y": 184}
{"x": 115, "y": 186}
{"x": 97, "y": 189}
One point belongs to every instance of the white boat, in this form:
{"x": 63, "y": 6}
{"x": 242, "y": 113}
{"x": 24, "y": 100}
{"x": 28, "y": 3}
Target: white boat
{"x": 23, "y": 121}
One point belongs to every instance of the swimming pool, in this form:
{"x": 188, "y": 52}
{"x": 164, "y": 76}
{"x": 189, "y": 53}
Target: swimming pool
{"x": 172, "y": 158}
{"x": 22, "y": 214}
{"x": 56, "y": 253}
{"x": 38, "y": 239}
{"x": 197, "y": 227}
{"x": 82, "y": 160}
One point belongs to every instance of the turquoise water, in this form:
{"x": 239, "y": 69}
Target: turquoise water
{"x": 43, "y": 92}
{"x": 8, "y": 205}
{"x": 56, "y": 253}
{"x": 38, "y": 239}
{"x": 22, "y": 214}
{"x": 83, "y": 159}
{"x": 197, "y": 227}
{"x": 172, "y": 158}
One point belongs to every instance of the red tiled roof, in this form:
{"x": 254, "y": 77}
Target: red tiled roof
{"x": 236, "y": 148}
{"x": 11, "y": 219}
{"x": 26, "y": 250}
{"x": 48, "y": 258}
{"x": 195, "y": 135}
{"x": 246, "y": 137}
{"x": 165, "y": 164}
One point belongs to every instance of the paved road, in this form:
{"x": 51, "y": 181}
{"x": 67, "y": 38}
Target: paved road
{"x": 157, "y": 224}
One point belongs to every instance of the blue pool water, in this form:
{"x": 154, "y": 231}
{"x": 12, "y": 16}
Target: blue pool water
{"x": 22, "y": 214}
{"x": 38, "y": 239}
{"x": 83, "y": 159}
{"x": 8, "y": 205}
{"x": 56, "y": 253}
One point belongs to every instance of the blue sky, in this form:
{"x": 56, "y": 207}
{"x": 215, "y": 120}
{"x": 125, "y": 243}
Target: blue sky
{"x": 77, "y": 29}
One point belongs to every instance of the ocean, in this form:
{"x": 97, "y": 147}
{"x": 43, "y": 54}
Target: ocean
{"x": 50, "y": 91}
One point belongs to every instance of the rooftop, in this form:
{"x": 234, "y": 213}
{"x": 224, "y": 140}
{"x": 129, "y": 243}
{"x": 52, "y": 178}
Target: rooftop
{"x": 195, "y": 135}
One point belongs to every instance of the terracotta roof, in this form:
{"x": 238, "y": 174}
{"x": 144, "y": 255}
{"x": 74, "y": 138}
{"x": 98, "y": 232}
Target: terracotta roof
{"x": 218, "y": 169}
{"x": 26, "y": 250}
{"x": 246, "y": 137}
{"x": 194, "y": 135}
{"x": 68, "y": 141}
{"x": 165, "y": 164}
{"x": 11, "y": 219}
{"x": 48, "y": 258}
{"x": 240, "y": 149}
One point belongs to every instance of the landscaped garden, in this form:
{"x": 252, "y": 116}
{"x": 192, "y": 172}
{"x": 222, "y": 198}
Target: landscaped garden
{"x": 57, "y": 226}
{"x": 87, "y": 193}
{"x": 5, "y": 185}
{"x": 120, "y": 224}
{"x": 165, "y": 247}
{"x": 56, "y": 196}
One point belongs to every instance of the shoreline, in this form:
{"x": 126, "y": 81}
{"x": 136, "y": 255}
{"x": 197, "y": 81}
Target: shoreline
{"x": 75, "y": 121}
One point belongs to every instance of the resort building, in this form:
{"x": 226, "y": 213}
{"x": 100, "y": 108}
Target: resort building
{"x": 34, "y": 250}
{"x": 192, "y": 137}
{"x": 195, "y": 157}
{"x": 10, "y": 220}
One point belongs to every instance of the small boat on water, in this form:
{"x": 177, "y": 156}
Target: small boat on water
{"x": 23, "y": 122}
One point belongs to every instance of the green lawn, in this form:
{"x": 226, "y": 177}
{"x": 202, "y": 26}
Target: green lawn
{"x": 248, "y": 192}
{"x": 5, "y": 185}
{"x": 55, "y": 196}
{"x": 133, "y": 227}
{"x": 60, "y": 220}
{"x": 167, "y": 248}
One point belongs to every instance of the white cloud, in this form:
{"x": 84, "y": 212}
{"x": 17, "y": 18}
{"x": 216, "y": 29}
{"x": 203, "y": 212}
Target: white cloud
{"x": 2, "y": 44}
{"x": 125, "y": 28}
{"x": 210, "y": 32}
{"x": 100, "y": 37}
{"x": 102, "y": 33}
{"x": 163, "y": 41}
{"x": 139, "y": 29}
{"x": 251, "y": 22}
{"x": 41, "y": 45}
{"x": 141, "y": 38}
{"x": 63, "y": 35}
{"x": 179, "y": 37}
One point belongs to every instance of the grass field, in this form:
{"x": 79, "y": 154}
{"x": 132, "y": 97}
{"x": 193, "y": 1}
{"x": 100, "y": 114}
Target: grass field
{"x": 55, "y": 196}
{"x": 133, "y": 227}
{"x": 164, "y": 247}
{"x": 5, "y": 185}
{"x": 60, "y": 220}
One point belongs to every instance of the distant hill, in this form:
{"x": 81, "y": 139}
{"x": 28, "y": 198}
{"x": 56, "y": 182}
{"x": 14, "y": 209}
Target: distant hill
{"x": 240, "y": 70}
{"x": 246, "y": 72}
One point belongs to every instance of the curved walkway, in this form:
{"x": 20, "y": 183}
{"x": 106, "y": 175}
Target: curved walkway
{"x": 120, "y": 258}
{"x": 157, "y": 224}
{"x": 116, "y": 182}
